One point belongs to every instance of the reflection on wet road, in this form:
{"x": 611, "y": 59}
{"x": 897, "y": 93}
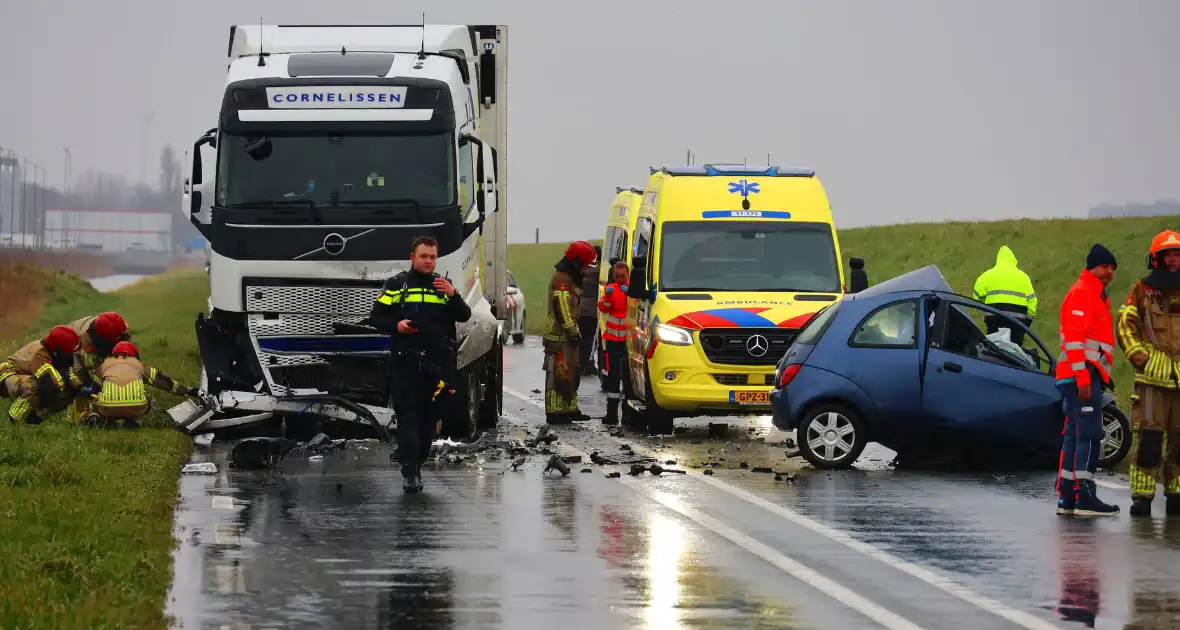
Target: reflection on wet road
{"x": 334, "y": 543}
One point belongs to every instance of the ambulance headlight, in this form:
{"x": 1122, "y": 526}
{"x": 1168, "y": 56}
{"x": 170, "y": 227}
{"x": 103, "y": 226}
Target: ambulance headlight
{"x": 673, "y": 335}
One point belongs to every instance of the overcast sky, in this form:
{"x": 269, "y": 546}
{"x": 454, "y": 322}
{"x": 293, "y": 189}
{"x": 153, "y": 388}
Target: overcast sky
{"x": 909, "y": 110}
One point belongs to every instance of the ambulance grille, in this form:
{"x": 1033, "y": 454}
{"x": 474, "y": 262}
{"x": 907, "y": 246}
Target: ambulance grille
{"x": 730, "y": 346}
{"x": 744, "y": 379}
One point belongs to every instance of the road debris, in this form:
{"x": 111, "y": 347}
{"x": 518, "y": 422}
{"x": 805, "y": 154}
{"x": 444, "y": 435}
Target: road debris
{"x": 204, "y": 439}
{"x": 555, "y": 463}
{"x": 202, "y": 468}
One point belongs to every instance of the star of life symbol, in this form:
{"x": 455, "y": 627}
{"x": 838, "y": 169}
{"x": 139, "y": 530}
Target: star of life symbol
{"x": 743, "y": 187}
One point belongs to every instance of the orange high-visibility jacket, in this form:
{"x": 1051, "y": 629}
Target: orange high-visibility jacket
{"x": 614, "y": 304}
{"x": 1087, "y": 332}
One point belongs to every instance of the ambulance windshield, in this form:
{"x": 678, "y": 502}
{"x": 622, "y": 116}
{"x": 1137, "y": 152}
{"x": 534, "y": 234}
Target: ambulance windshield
{"x": 748, "y": 256}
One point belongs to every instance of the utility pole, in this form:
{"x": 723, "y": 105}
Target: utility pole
{"x": 67, "y": 180}
{"x": 145, "y": 130}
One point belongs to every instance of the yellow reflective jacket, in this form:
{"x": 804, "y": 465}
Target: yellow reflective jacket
{"x": 1005, "y": 283}
{"x": 562, "y": 305}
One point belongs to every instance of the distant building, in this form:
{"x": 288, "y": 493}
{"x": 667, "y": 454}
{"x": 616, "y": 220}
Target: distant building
{"x": 109, "y": 230}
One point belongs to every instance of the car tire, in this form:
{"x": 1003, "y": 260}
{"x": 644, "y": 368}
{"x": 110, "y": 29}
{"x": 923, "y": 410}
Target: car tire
{"x": 817, "y": 421}
{"x": 1116, "y": 426}
{"x": 518, "y": 338}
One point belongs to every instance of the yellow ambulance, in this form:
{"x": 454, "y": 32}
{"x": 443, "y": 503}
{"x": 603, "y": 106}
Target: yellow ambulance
{"x": 728, "y": 262}
{"x": 620, "y": 224}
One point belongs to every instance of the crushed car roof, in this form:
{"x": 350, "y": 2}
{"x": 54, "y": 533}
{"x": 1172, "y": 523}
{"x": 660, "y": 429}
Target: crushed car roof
{"x": 928, "y": 278}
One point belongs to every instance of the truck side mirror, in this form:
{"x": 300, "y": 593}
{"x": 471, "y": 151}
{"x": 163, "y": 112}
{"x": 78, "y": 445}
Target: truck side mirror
{"x": 192, "y": 189}
{"x": 480, "y": 187}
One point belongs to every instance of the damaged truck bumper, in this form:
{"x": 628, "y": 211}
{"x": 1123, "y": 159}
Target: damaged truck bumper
{"x": 237, "y": 410}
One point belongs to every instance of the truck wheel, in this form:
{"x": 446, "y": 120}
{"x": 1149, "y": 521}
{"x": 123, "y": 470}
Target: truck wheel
{"x": 831, "y": 436}
{"x": 1117, "y": 441}
{"x": 492, "y": 405}
{"x": 459, "y": 417}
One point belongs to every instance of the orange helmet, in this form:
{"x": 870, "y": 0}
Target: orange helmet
{"x": 110, "y": 326}
{"x": 125, "y": 347}
{"x": 61, "y": 339}
{"x": 582, "y": 252}
{"x": 1161, "y": 243}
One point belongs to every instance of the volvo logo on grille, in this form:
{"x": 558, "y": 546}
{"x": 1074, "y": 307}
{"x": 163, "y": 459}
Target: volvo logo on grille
{"x": 334, "y": 244}
{"x": 757, "y": 345}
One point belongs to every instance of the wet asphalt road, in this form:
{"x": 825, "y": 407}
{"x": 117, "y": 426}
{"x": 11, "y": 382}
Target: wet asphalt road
{"x": 333, "y": 543}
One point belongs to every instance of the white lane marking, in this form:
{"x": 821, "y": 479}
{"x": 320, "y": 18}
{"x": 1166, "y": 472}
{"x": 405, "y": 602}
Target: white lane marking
{"x": 1018, "y": 617}
{"x": 223, "y": 503}
{"x": 1112, "y": 484}
{"x": 841, "y": 594}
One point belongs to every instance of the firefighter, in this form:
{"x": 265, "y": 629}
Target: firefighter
{"x": 1006, "y": 288}
{"x": 614, "y": 304}
{"x": 97, "y": 336}
{"x": 562, "y": 335}
{"x": 1083, "y": 373}
{"x": 38, "y": 376}
{"x": 119, "y": 388}
{"x": 1149, "y": 335}
{"x": 419, "y": 309}
{"x": 588, "y": 315}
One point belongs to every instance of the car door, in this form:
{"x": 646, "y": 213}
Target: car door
{"x": 884, "y": 360}
{"x": 980, "y": 388}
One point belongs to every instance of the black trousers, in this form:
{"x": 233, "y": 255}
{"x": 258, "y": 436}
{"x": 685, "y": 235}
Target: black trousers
{"x": 996, "y": 323}
{"x": 417, "y": 417}
{"x": 615, "y": 351}
{"x": 587, "y": 324}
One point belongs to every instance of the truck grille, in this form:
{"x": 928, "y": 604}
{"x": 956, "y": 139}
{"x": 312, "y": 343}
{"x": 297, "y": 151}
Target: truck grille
{"x": 311, "y": 300}
{"x": 741, "y": 346}
{"x": 326, "y": 378}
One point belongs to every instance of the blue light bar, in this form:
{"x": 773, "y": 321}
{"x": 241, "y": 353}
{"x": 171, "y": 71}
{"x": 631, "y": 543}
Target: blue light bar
{"x": 745, "y": 170}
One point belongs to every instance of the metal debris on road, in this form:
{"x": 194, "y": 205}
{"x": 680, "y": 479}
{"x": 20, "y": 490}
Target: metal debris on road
{"x": 555, "y": 463}
{"x": 204, "y": 439}
{"x": 518, "y": 463}
{"x": 202, "y": 468}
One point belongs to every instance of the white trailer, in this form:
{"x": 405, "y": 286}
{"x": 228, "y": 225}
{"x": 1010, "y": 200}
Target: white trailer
{"x": 335, "y": 147}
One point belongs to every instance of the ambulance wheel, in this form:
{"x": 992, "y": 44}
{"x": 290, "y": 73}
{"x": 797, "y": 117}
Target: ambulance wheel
{"x": 460, "y": 416}
{"x": 659, "y": 420}
{"x": 492, "y": 405}
{"x": 1116, "y": 443}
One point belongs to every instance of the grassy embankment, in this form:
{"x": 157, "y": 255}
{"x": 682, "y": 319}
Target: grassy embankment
{"x": 1052, "y": 252}
{"x": 87, "y": 518}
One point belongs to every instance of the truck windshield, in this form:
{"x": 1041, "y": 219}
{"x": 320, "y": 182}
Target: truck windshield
{"x": 747, "y": 256}
{"x": 334, "y": 170}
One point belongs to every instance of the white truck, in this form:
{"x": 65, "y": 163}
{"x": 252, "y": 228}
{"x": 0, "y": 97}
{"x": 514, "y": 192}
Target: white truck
{"x": 335, "y": 147}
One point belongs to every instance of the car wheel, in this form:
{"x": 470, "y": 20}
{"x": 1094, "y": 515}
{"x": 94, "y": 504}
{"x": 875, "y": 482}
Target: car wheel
{"x": 1117, "y": 440}
{"x": 518, "y": 338}
{"x": 831, "y": 436}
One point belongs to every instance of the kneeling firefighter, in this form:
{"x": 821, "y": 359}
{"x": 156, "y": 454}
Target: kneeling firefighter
{"x": 1149, "y": 335}
{"x": 614, "y": 333}
{"x": 97, "y": 336}
{"x": 419, "y": 309}
{"x": 38, "y": 376}
{"x": 119, "y": 392}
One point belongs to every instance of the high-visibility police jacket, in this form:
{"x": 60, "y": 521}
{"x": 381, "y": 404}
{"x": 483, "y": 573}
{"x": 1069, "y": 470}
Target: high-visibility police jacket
{"x": 1005, "y": 283}
{"x": 411, "y": 295}
{"x": 614, "y": 304}
{"x": 1087, "y": 333}
{"x": 1148, "y": 331}
{"x": 123, "y": 379}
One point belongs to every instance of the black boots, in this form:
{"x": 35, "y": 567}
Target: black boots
{"x": 612, "y": 411}
{"x": 1140, "y": 506}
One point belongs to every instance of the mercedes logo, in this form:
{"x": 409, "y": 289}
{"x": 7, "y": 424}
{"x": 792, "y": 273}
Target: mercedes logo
{"x": 334, "y": 244}
{"x": 757, "y": 345}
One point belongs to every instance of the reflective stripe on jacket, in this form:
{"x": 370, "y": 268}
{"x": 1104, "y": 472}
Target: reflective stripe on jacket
{"x": 123, "y": 380}
{"x": 614, "y": 305}
{"x": 563, "y": 302}
{"x": 1087, "y": 333}
{"x": 1005, "y": 283}
{"x": 1149, "y": 347}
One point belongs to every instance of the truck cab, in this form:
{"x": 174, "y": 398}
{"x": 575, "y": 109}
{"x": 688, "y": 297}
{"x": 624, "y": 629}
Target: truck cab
{"x": 728, "y": 263}
{"x": 335, "y": 146}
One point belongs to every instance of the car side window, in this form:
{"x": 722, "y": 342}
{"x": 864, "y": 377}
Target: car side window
{"x": 511, "y": 279}
{"x": 979, "y": 334}
{"x": 890, "y": 326}
{"x": 642, "y": 238}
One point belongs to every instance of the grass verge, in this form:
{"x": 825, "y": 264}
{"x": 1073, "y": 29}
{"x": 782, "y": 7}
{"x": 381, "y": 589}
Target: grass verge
{"x": 87, "y": 520}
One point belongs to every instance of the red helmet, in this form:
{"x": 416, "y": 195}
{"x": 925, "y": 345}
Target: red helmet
{"x": 125, "y": 347}
{"x": 61, "y": 339}
{"x": 110, "y": 326}
{"x": 582, "y": 252}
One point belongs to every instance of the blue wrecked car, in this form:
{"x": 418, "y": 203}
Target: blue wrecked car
{"x": 908, "y": 364}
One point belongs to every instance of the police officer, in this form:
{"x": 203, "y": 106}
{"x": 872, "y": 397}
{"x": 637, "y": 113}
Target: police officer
{"x": 419, "y": 310}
